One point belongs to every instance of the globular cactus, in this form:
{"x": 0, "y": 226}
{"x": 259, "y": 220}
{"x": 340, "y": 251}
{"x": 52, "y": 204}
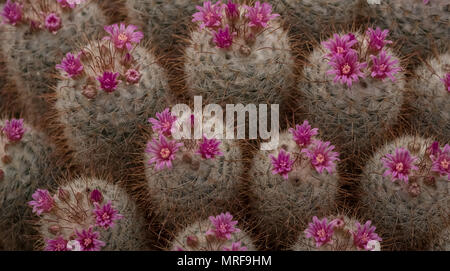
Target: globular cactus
{"x": 34, "y": 44}
{"x": 107, "y": 95}
{"x": 405, "y": 188}
{"x": 283, "y": 204}
{"x": 240, "y": 54}
{"x": 94, "y": 212}
{"x": 340, "y": 233}
{"x": 442, "y": 241}
{"x": 218, "y": 233}
{"x": 430, "y": 98}
{"x": 352, "y": 89}
{"x": 26, "y": 164}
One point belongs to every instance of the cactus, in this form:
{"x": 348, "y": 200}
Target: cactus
{"x": 442, "y": 241}
{"x": 26, "y": 163}
{"x": 243, "y": 62}
{"x": 75, "y": 207}
{"x": 413, "y": 206}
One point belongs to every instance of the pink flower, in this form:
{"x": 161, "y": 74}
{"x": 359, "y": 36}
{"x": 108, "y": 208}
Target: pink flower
{"x": 235, "y": 246}
{"x": 231, "y": 10}
{"x": 400, "y": 165}
{"x": 322, "y": 156}
{"x": 163, "y": 152}
{"x": 14, "y": 130}
{"x": 53, "y": 22}
{"x": 164, "y": 123}
{"x": 260, "y": 14}
{"x": 96, "y": 196}
{"x": 340, "y": 45}
{"x": 223, "y": 226}
{"x": 377, "y": 38}
{"x": 42, "y": 202}
{"x": 223, "y": 38}
{"x": 133, "y": 76}
{"x": 441, "y": 162}
{"x": 303, "y": 133}
{"x": 106, "y": 215}
{"x": 58, "y": 244}
{"x": 282, "y": 164}
{"x": 383, "y": 66}
{"x": 364, "y": 234}
{"x": 12, "y": 12}
{"x": 89, "y": 240}
{"x": 426, "y": 1}
{"x": 123, "y": 36}
{"x": 209, "y": 148}
{"x": 209, "y": 15}
{"x": 108, "y": 81}
{"x": 434, "y": 149}
{"x": 346, "y": 68}
{"x": 71, "y": 64}
{"x": 321, "y": 231}
{"x": 70, "y": 3}
{"x": 446, "y": 81}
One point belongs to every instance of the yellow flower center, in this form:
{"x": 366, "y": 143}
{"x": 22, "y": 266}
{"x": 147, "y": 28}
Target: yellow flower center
{"x": 122, "y": 37}
{"x": 346, "y": 69}
{"x": 165, "y": 153}
{"x": 399, "y": 166}
{"x": 339, "y": 50}
{"x": 320, "y": 158}
{"x": 382, "y": 67}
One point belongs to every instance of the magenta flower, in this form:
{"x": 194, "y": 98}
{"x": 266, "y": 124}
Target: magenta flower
{"x": 235, "y": 246}
{"x": 282, "y": 164}
{"x": 162, "y": 151}
{"x": 303, "y": 133}
{"x": 377, "y": 38}
{"x": 223, "y": 38}
{"x": 70, "y": 3}
{"x": 71, "y": 64}
{"x": 441, "y": 162}
{"x": 223, "y": 226}
{"x": 209, "y": 148}
{"x": 400, "y": 165}
{"x": 14, "y": 130}
{"x": 58, "y": 244}
{"x": 231, "y": 10}
{"x": 108, "y": 81}
{"x": 42, "y": 202}
{"x": 164, "y": 123}
{"x": 346, "y": 68}
{"x": 321, "y": 231}
{"x": 89, "y": 240}
{"x": 364, "y": 234}
{"x": 12, "y": 12}
{"x": 446, "y": 81}
{"x": 209, "y": 15}
{"x": 96, "y": 196}
{"x": 322, "y": 156}
{"x": 133, "y": 76}
{"x": 122, "y": 35}
{"x": 53, "y": 22}
{"x": 383, "y": 66}
{"x": 434, "y": 149}
{"x": 106, "y": 215}
{"x": 260, "y": 14}
{"x": 340, "y": 45}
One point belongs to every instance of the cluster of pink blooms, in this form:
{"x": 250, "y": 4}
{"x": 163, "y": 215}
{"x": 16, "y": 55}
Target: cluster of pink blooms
{"x": 322, "y": 231}
{"x": 345, "y": 63}
{"x": 441, "y": 160}
{"x": 321, "y": 154}
{"x": 13, "y": 130}
{"x": 105, "y": 217}
{"x": 163, "y": 150}
{"x": 219, "y": 18}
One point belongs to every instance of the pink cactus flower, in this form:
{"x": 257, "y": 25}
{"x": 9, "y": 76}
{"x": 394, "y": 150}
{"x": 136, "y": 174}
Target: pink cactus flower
{"x": 164, "y": 122}
{"x": 223, "y": 38}
{"x": 57, "y": 244}
{"x": 70, "y": 3}
{"x": 53, "y": 22}
{"x": 434, "y": 149}
{"x": 322, "y": 156}
{"x": 346, "y": 68}
{"x": 321, "y": 231}
{"x": 108, "y": 81}
{"x": 223, "y": 226}
{"x": 364, "y": 234}
{"x": 399, "y": 165}
{"x": 71, "y": 64}
{"x": 235, "y": 246}
{"x": 42, "y": 202}
{"x": 340, "y": 45}
{"x": 162, "y": 151}
{"x": 377, "y": 38}
{"x": 89, "y": 240}
{"x": 133, "y": 76}
{"x": 12, "y": 12}
{"x": 122, "y": 35}
{"x": 446, "y": 81}
{"x": 96, "y": 196}
{"x": 383, "y": 66}
{"x": 303, "y": 133}
{"x": 260, "y": 14}
{"x": 441, "y": 162}
{"x": 106, "y": 215}
{"x": 231, "y": 10}
{"x": 209, "y": 15}
{"x": 14, "y": 130}
{"x": 209, "y": 148}
{"x": 282, "y": 164}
